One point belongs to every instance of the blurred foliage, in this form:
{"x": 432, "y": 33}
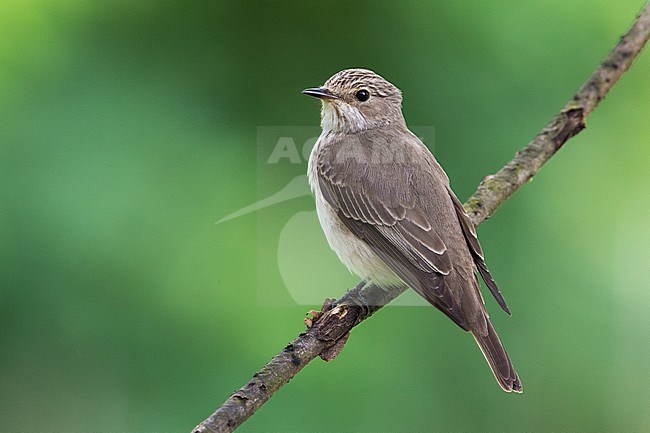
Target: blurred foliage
{"x": 128, "y": 128}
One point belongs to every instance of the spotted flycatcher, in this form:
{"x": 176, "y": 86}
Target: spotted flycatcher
{"x": 388, "y": 211}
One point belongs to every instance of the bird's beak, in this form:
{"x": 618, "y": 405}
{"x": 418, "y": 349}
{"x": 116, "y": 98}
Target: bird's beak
{"x": 320, "y": 92}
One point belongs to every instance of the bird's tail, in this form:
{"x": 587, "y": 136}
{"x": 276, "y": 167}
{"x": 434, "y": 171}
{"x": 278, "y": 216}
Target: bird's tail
{"x": 496, "y": 356}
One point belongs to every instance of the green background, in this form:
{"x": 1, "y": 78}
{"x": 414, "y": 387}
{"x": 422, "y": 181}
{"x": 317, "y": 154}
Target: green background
{"x": 127, "y": 129}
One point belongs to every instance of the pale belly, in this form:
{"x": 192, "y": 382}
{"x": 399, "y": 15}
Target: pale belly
{"x": 352, "y": 251}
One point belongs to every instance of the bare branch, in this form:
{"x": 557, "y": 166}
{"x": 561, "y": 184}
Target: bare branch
{"x": 495, "y": 189}
{"x": 327, "y": 336}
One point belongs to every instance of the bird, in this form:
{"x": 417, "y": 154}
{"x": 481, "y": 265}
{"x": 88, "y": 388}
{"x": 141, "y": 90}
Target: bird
{"x": 387, "y": 209}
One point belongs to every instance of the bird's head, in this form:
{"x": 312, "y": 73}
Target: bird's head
{"x": 356, "y": 100}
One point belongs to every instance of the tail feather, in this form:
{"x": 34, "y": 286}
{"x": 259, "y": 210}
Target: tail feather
{"x": 496, "y": 356}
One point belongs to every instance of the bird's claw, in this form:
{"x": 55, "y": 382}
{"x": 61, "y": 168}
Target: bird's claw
{"x": 315, "y": 315}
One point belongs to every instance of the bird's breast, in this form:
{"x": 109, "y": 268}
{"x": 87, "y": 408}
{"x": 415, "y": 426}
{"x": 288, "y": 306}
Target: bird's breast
{"x": 352, "y": 251}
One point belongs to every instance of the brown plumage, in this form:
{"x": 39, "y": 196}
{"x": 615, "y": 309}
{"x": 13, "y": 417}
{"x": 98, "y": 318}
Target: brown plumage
{"x": 388, "y": 211}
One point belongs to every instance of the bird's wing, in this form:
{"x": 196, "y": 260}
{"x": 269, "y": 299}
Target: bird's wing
{"x": 379, "y": 203}
{"x": 477, "y": 253}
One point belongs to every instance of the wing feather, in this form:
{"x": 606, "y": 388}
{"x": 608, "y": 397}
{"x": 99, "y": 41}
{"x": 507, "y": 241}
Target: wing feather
{"x": 402, "y": 237}
{"x": 477, "y": 253}
{"x": 430, "y": 285}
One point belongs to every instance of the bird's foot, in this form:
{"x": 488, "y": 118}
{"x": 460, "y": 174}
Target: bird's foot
{"x": 315, "y": 315}
{"x": 357, "y": 297}
{"x": 334, "y": 326}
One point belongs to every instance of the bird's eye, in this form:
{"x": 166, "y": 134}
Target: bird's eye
{"x": 362, "y": 95}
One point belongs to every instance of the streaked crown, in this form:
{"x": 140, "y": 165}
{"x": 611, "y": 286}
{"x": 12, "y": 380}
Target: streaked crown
{"x": 358, "y": 99}
{"x": 349, "y": 80}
